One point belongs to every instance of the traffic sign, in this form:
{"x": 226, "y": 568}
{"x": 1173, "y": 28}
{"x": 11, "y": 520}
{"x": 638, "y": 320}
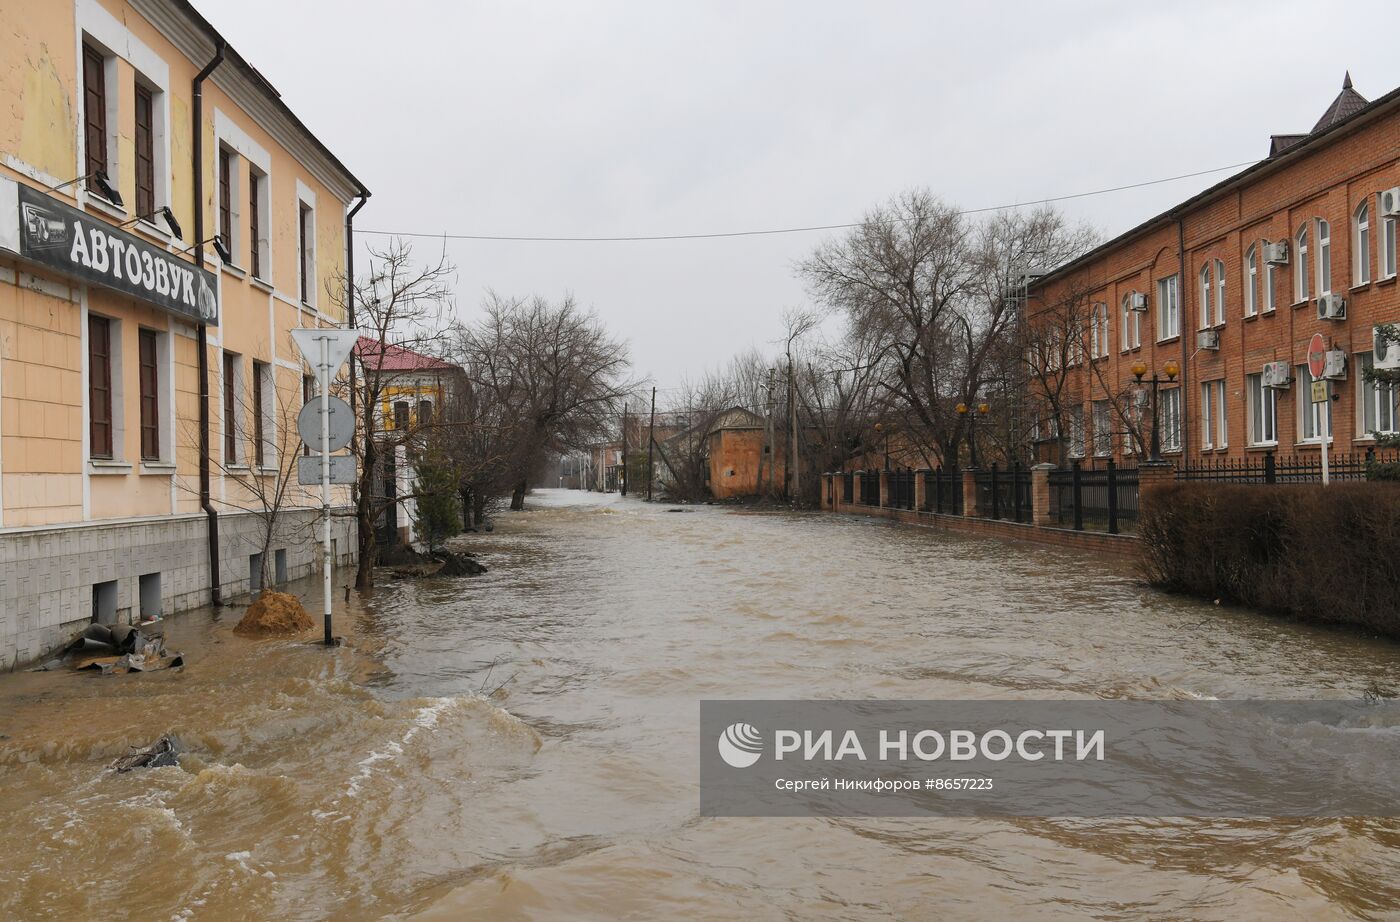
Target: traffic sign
{"x": 337, "y": 345}
{"x": 1317, "y": 355}
{"x": 1319, "y": 392}
{"x": 342, "y": 423}
{"x": 342, "y": 470}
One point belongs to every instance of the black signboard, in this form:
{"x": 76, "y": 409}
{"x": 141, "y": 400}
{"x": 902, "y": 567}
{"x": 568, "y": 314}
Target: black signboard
{"x": 75, "y": 244}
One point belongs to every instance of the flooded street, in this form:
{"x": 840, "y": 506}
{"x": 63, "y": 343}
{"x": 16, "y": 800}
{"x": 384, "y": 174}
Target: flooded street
{"x": 524, "y": 744}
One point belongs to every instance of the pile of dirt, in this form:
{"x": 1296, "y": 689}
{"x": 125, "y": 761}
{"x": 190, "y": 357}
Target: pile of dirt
{"x": 272, "y": 614}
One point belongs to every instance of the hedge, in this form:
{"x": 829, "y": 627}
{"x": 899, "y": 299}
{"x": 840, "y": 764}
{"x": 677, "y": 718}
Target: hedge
{"x": 1328, "y": 554}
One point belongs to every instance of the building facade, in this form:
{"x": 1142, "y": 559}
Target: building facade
{"x": 165, "y": 222}
{"x": 1226, "y": 291}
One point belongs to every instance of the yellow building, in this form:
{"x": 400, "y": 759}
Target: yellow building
{"x": 148, "y": 381}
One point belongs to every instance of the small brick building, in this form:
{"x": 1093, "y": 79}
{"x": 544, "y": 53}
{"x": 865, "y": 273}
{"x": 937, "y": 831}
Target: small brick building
{"x": 1231, "y": 285}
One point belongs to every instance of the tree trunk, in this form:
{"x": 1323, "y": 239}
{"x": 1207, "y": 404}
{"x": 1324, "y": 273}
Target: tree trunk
{"x": 517, "y": 497}
{"x": 478, "y": 508}
{"x": 364, "y": 517}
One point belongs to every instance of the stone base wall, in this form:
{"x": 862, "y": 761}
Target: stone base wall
{"x": 48, "y": 574}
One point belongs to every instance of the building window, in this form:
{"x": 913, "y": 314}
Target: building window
{"x": 1219, "y": 293}
{"x": 1300, "y": 272}
{"x": 1213, "y": 415}
{"x": 145, "y": 152}
{"x": 1263, "y": 411}
{"x": 425, "y": 412}
{"x": 257, "y": 187}
{"x": 1206, "y": 289}
{"x": 226, "y": 197}
{"x": 306, "y": 243}
{"x": 1324, "y": 257}
{"x": 261, "y": 391}
{"x": 1076, "y": 431}
{"x": 401, "y": 415}
{"x": 1103, "y": 430}
{"x": 308, "y": 391}
{"x": 1169, "y": 418}
{"x": 1131, "y": 334}
{"x": 1315, "y": 419}
{"x": 1168, "y": 309}
{"x": 1387, "y": 244}
{"x": 1270, "y": 287}
{"x": 100, "y": 423}
{"x": 1380, "y": 403}
{"x": 1251, "y": 281}
{"x": 150, "y": 395}
{"x": 230, "y": 408}
{"x": 95, "y": 109}
{"x": 1098, "y": 330}
{"x": 1361, "y": 245}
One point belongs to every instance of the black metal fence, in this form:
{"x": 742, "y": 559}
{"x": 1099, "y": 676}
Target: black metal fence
{"x": 848, "y": 488}
{"x": 943, "y": 491}
{"x": 1101, "y": 500}
{"x": 869, "y": 487}
{"x": 1271, "y": 469}
{"x": 900, "y": 489}
{"x": 1005, "y": 494}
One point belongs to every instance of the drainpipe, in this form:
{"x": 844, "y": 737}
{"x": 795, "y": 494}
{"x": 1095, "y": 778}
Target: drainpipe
{"x": 350, "y": 285}
{"x": 1185, "y": 361}
{"x": 203, "y": 333}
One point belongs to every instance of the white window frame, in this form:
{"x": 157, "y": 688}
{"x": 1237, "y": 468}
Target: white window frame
{"x": 306, "y": 262}
{"x": 1219, "y": 292}
{"x": 229, "y": 135}
{"x": 1103, "y": 428}
{"x": 1076, "y": 431}
{"x": 1206, "y": 289}
{"x": 1270, "y": 287}
{"x": 1262, "y": 430}
{"x": 235, "y": 198}
{"x": 1168, "y": 308}
{"x": 1386, "y": 242}
{"x": 1380, "y": 403}
{"x": 1098, "y": 330}
{"x": 116, "y": 331}
{"x": 1324, "y": 257}
{"x": 1169, "y": 418}
{"x": 1214, "y": 416}
{"x": 1310, "y": 418}
{"x": 1301, "y": 292}
{"x": 263, "y": 182}
{"x": 1132, "y": 324}
{"x": 1251, "y": 281}
{"x": 1361, "y": 244}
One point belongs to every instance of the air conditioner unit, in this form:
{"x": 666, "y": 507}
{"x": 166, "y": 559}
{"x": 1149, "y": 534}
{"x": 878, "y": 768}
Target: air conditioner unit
{"x": 1137, "y": 301}
{"x": 1335, "y": 364}
{"x": 1208, "y": 339}
{"x": 1389, "y": 201}
{"x": 1385, "y": 354}
{"x": 1276, "y": 254}
{"x": 1331, "y": 307}
{"x": 1276, "y": 375}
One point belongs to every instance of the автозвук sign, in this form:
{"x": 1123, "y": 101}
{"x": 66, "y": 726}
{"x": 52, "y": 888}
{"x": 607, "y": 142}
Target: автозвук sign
{"x": 77, "y": 245}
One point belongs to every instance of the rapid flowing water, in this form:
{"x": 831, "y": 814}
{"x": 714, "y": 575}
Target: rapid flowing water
{"x": 523, "y": 744}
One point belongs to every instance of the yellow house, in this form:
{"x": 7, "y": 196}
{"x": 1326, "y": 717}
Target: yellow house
{"x": 165, "y": 222}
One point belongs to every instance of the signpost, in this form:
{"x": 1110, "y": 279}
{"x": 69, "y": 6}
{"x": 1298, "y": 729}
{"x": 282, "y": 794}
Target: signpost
{"x": 325, "y": 350}
{"x": 1317, "y": 366}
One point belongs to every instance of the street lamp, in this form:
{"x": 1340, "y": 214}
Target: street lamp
{"x": 971, "y": 415}
{"x": 879, "y": 428}
{"x": 1172, "y": 369}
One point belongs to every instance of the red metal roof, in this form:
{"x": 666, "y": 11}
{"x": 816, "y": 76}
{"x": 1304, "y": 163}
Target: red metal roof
{"x": 397, "y": 358}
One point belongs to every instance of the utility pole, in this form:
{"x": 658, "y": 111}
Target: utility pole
{"x": 772, "y": 455}
{"x": 792, "y": 429}
{"x": 622, "y": 475}
{"x": 651, "y": 439}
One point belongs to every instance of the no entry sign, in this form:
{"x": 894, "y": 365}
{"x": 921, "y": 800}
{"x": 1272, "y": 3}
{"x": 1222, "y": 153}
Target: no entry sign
{"x": 1317, "y": 356}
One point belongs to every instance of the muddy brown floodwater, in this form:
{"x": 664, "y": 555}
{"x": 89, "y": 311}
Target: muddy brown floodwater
{"x": 384, "y": 780}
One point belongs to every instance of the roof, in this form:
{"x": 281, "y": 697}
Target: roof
{"x": 1348, "y": 103}
{"x": 736, "y": 417}
{"x": 397, "y": 358}
{"x": 1292, "y": 152}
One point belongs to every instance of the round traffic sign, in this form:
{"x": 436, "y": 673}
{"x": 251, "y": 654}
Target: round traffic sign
{"x": 1317, "y": 355}
{"x": 342, "y": 423}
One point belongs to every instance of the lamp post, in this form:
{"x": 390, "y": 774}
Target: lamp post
{"x": 1172, "y": 369}
{"x": 971, "y": 414}
{"x": 886, "y": 430}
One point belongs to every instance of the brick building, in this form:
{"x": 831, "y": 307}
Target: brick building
{"x": 1229, "y": 287}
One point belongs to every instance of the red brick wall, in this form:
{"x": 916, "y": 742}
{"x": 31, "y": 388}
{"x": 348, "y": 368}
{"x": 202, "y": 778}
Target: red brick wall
{"x": 1329, "y": 183}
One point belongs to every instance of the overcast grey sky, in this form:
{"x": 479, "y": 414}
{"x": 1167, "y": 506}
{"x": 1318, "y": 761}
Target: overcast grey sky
{"x": 617, "y": 118}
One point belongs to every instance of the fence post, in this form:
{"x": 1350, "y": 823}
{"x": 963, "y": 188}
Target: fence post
{"x": 1016, "y": 490}
{"x": 969, "y": 492}
{"x": 1077, "y": 497}
{"x": 1041, "y": 512}
{"x": 884, "y": 488}
{"x": 1112, "y": 497}
{"x": 1270, "y": 473}
{"x": 938, "y": 489}
{"x": 920, "y": 490}
{"x": 996, "y": 494}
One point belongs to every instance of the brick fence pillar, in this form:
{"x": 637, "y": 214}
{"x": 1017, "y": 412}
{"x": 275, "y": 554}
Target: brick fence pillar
{"x": 1152, "y": 475}
{"x": 969, "y": 488}
{"x": 828, "y": 493}
{"x": 884, "y": 489}
{"x": 919, "y": 490}
{"x": 1041, "y": 513}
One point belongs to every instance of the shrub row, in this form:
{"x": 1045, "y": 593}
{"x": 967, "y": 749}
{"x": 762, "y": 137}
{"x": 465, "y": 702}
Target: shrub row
{"x": 1322, "y": 553}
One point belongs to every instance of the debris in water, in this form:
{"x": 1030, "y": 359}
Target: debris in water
{"x": 116, "y": 649}
{"x": 274, "y": 613}
{"x": 164, "y": 751}
{"x": 459, "y": 565}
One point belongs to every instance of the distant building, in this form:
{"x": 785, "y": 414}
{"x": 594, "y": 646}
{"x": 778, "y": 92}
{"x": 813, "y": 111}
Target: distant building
{"x": 1229, "y": 287}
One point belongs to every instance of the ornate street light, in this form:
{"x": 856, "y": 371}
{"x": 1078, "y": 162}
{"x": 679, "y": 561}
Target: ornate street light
{"x": 971, "y": 415}
{"x": 1172, "y": 369}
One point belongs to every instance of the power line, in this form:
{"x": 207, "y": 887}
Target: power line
{"x": 784, "y": 230}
